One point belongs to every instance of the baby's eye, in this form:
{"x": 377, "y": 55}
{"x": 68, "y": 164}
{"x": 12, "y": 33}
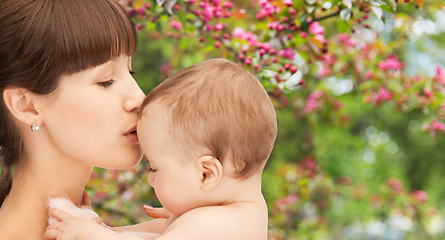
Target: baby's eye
{"x": 106, "y": 83}
{"x": 152, "y": 170}
{"x": 132, "y": 73}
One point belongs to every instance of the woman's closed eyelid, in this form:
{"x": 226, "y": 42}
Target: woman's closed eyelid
{"x": 152, "y": 170}
{"x": 106, "y": 83}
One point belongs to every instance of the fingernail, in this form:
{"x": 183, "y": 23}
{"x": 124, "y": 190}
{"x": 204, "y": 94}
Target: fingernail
{"x": 149, "y": 208}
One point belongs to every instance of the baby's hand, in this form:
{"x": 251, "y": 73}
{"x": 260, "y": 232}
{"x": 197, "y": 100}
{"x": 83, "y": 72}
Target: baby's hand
{"x": 69, "y": 227}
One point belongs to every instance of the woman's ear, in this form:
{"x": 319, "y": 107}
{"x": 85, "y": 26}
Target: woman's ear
{"x": 211, "y": 172}
{"x": 20, "y": 103}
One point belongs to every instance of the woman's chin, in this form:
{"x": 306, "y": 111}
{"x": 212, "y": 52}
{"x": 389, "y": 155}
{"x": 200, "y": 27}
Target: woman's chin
{"x": 120, "y": 164}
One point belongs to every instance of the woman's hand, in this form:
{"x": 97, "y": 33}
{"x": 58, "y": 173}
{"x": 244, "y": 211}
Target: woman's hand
{"x": 156, "y": 212}
{"x": 69, "y": 227}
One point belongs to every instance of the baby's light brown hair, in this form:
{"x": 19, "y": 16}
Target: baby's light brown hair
{"x": 218, "y": 105}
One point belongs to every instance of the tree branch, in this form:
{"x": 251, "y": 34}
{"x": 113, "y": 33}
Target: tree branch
{"x": 327, "y": 16}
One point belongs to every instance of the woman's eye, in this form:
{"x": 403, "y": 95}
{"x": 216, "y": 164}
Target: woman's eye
{"x": 152, "y": 170}
{"x": 107, "y": 83}
{"x": 132, "y": 73}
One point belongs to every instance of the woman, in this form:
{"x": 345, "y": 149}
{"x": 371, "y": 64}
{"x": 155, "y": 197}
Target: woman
{"x": 68, "y": 103}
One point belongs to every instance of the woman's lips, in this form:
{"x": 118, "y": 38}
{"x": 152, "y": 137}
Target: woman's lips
{"x": 131, "y": 134}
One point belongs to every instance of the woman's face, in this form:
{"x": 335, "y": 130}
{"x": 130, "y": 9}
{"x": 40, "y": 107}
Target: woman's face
{"x": 92, "y": 115}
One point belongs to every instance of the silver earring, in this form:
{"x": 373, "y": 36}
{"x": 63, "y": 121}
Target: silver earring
{"x": 35, "y": 127}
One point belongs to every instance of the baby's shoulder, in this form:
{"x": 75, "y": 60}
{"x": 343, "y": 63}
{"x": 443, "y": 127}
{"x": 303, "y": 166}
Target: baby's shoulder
{"x": 234, "y": 221}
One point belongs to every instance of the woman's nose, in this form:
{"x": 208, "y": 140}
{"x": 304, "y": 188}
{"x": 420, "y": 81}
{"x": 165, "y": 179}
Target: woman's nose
{"x": 135, "y": 98}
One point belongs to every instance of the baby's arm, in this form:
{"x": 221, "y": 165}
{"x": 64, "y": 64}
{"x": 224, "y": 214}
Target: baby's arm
{"x": 152, "y": 226}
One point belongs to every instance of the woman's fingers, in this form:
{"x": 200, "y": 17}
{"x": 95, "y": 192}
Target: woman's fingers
{"x": 59, "y": 214}
{"x": 156, "y": 212}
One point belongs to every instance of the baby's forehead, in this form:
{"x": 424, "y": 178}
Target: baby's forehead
{"x": 152, "y": 118}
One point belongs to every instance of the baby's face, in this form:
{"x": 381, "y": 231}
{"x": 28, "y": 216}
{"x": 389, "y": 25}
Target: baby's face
{"x": 173, "y": 177}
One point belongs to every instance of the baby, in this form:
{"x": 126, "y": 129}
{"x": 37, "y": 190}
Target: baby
{"x": 207, "y": 132}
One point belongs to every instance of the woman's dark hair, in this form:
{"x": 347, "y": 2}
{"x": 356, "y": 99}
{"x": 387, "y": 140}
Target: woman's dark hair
{"x": 41, "y": 40}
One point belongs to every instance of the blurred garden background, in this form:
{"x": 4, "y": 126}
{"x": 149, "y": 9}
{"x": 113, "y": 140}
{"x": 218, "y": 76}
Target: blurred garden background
{"x": 359, "y": 91}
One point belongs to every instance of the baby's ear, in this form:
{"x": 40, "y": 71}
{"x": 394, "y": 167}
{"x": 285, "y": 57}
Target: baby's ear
{"x": 211, "y": 170}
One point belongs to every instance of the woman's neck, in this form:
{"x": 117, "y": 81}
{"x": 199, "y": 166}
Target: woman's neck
{"x": 25, "y": 208}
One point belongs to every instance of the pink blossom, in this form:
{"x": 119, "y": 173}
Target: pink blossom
{"x": 216, "y": 2}
{"x": 288, "y": 2}
{"x": 248, "y": 36}
{"x": 266, "y": 46}
{"x": 348, "y": 41}
{"x": 218, "y": 14}
{"x": 275, "y": 24}
{"x": 261, "y": 14}
{"x": 262, "y": 52}
{"x": 390, "y": 63}
{"x": 315, "y": 28}
{"x": 320, "y": 38}
{"x": 286, "y": 201}
{"x": 438, "y": 126}
{"x": 384, "y": 94}
{"x": 395, "y": 183}
{"x": 263, "y": 2}
{"x": 139, "y": 26}
{"x": 100, "y": 194}
{"x": 312, "y": 102}
{"x": 343, "y": 37}
{"x": 238, "y": 33}
{"x": 252, "y": 39}
{"x": 287, "y": 66}
{"x": 330, "y": 59}
{"x": 209, "y": 27}
{"x": 227, "y": 5}
{"x": 219, "y": 26}
{"x": 428, "y": 93}
{"x": 303, "y": 34}
{"x": 287, "y": 53}
{"x": 203, "y": 4}
{"x": 440, "y": 77}
{"x": 420, "y": 195}
{"x": 268, "y": 7}
{"x": 141, "y": 11}
{"x": 323, "y": 72}
{"x": 208, "y": 12}
{"x": 165, "y": 68}
{"x": 369, "y": 74}
{"x": 176, "y": 25}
